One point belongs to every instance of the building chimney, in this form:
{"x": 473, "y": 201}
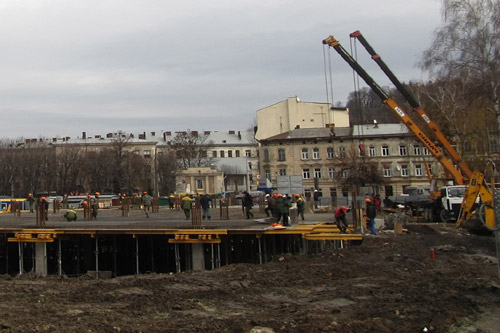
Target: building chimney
{"x": 84, "y": 135}
{"x": 239, "y": 135}
{"x": 54, "y": 139}
{"x": 109, "y": 135}
{"x": 153, "y": 133}
{"x": 206, "y": 132}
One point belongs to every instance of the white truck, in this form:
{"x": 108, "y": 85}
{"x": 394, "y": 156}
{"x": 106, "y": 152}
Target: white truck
{"x": 419, "y": 199}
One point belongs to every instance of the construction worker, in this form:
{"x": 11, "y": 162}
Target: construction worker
{"x": 247, "y": 203}
{"x": 44, "y": 204}
{"x": 205, "y": 202}
{"x": 171, "y": 200}
{"x": 186, "y": 205}
{"x": 70, "y": 215}
{"x": 340, "y": 214}
{"x": 268, "y": 210}
{"x": 146, "y": 201}
{"x": 283, "y": 204}
{"x": 31, "y": 201}
{"x": 301, "y": 205}
{"x": 95, "y": 205}
{"x": 371, "y": 213}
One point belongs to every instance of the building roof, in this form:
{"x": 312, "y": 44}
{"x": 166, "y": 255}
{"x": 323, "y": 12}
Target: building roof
{"x": 311, "y": 133}
{"x": 379, "y": 130}
{"x": 230, "y": 138}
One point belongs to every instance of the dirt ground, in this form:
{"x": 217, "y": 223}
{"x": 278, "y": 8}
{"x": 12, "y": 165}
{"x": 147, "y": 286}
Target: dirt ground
{"x": 387, "y": 284}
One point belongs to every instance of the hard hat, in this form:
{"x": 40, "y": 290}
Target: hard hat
{"x": 368, "y": 200}
{"x": 296, "y": 195}
{"x": 43, "y": 198}
{"x": 30, "y": 194}
{"x": 267, "y": 195}
{"x": 145, "y": 193}
{"x": 97, "y": 193}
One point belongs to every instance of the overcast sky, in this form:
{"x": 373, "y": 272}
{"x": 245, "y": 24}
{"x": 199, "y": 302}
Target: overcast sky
{"x": 100, "y": 66}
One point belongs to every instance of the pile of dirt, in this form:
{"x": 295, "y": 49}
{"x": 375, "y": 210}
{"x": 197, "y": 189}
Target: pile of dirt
{"x": 387, "y": 284}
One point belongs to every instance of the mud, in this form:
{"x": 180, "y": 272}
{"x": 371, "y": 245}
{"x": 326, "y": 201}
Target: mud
{"x": 387, "y": 284}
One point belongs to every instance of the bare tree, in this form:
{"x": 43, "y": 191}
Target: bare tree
{"x": 467, "y": 47}
{"x": 357, "y": 171}
{"x": 99, "y": 169}
{"x": 118, "y": 152}
{"x": 68, "y": 169}
{"x": 191, "y": 149}
{"x": 167, "y": 166}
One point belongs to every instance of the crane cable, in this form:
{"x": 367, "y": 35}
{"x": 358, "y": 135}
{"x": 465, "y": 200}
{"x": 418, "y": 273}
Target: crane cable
{"x": 357, "y": 99}
{"x": 328, "y": 74}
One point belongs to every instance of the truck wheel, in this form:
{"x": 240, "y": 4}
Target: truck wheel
{"x": 427, "y": 214}
{"x": 445, "y": 217}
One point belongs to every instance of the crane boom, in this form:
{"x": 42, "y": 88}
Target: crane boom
{"x": 454, "y": 155}
{"x": 408, "y": 121}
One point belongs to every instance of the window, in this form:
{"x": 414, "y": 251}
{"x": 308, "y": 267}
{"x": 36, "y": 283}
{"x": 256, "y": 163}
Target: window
{"x": 281, "y": 154}
{"x": 331, "y": 172}
{"x": 404, "y": 170}
{"x": 305, "y": 154}
{"x": 316, "y": 153}
{"x": 266, "y": 155}
{"x": 229, "y": 153}
{"x": 214, "y": 153}
{"x": 371, "y": 151}
{"x": 385, "y": 150}
{"x": 282, "y": 172}
{"x": 248, "y": 153}
{"x": 417, "y": 150}
{"x": 418, "y": 170}
{"x": 344, "y": 174}
{"x": 222, "y": 153}
{"x": 317, "y": 173}
{"x": 403, "y": 151}
{"x": 494, "y": 148}
{"x": 199, "y": 183}
{"x": 267, "y": 173}
{"x": 147, "y": 153}
{"x": 342, "y": 152}
{"x": 333, "y": 192}
{"x": 387, "y": 172}
{"x": 204, "y": 154}
{"x": 306, "y": 174}
{"x": 330, "y": 153}
{"x": 425, "y": 151}
{"x": 137, "y": 152}
{"x": 237, "y": 153}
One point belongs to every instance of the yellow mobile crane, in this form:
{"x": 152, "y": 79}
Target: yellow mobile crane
{"x": 476, "y": 184}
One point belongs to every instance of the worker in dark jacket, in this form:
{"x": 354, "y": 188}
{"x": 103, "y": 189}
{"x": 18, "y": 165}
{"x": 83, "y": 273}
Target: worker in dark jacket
{"x": 371, "y": 213}
{"x": 283, "y": 204}
{"x": 247, "y": 203}
{"x": 205, "y": 201}
{"x": 147, "y": 200}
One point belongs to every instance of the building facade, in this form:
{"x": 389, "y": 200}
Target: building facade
{"x": 292, "y": 114}
{"x": 318, "y": 154}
